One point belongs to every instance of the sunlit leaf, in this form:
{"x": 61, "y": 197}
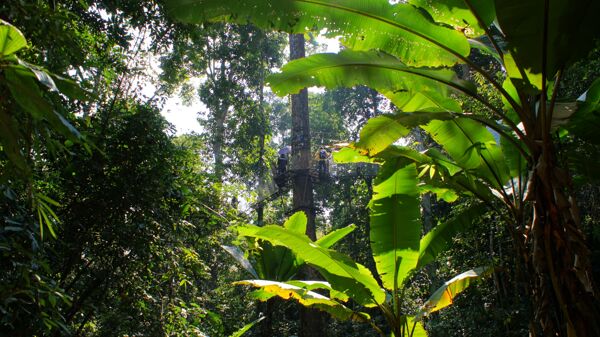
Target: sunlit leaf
{"x": 461, "y": 14}
{"x": 296, "y": 223}
{"x": 409, "y": 88}
{"x": 344, "y": 274}
{"x": 307, "y": 298}
{"x": 238, "y": 255}
{"x": 444, "y": 295}
{"x": 440, "y": 237}
{"x": 401, "y": 30}
{"x": 333, "y": 237}
{"x": 11, "y": 39}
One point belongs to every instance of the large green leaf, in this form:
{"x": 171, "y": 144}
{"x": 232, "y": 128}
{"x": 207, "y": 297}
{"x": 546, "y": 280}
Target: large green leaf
{"x": 415, "y": 327}
{"x": 343, "y": 274}
{"x": 378, "y": 134}
{"x": 315, "y": 285}
{"x": 396, "y": 226}
{"x": 297, "y": 222}
{"x": 11, "y": 39}
{"x": 381, "y": 131}
{"x": 306, "y": 298}
{"x": 444, "y": 295}
{"x": 23, "y": 87}
{"x": 238, "y": 255}
{"x": 472, "y": 147}
{"x": 401, "y": 30}
{"x": 409, "y": 88}
{"x": 348, "y": 155}
{"x": 402, "y": 181}
{"x": 333, "y": 237}
{"x": 440, "y": 237}
{"x": 572, "y": 26}
{"x": 459, "y": 14}
{"x": 274, "y": 262}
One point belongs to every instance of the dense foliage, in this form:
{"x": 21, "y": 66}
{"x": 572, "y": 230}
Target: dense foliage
{"x": 463, "y": 134}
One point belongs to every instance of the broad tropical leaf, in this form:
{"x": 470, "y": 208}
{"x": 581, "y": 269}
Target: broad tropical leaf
{"x": 402, "y": 181}
{"x": 238, "y": 255}
{"x": 401, "y": 30}
{"x": 11, "y": 39}
{"x": 444, "y": 295}
{"x": 440, "y": 237}
{"x": 332, "y": 238}
{"x": 296, "y": 223}
{"x": 343, "y": 274}
{"x": 409, "y": 88}
{"x": 464, "y": 15}
{"x": 314, "y": 285}
{"x": 415, "y": 327}
{"x": 472, "y": 147}
{"x": 306, "y": 298}
{"x": 21, "y": 82}
{"x": 396, "y": 226}
{"x": 571, "y": 26}
{"x": 348, "y": 155}
{"x": 274, "y": 262}
{"x": 382, "y": 131}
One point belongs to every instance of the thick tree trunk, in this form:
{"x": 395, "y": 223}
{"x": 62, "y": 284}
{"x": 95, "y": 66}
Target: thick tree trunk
{"x": 217, "y": 143}
{"x": 311, "y": 321}
{"x": 564, "y": 298}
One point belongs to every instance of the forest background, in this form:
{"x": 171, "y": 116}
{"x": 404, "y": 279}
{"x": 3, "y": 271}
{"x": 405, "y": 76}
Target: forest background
{"x": 113, "y": 224}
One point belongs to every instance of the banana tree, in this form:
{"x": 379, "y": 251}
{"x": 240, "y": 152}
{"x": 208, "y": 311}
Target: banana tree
{"x": 264, "y": 261}
{"x": 407, "y": 51}
{"x": 346, "y": 279}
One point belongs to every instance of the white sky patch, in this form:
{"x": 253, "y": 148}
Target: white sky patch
{"x": 185, "y": 118}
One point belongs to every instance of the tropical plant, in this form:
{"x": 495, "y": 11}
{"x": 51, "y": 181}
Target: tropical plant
{"x": 503, "y": 154}
{"x": 346, "y": 279}
{"x": 265, "y": 261}
{"x": 24, "y": 85}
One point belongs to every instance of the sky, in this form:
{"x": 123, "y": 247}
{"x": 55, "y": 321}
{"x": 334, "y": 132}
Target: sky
{"x": 184, "y": 118}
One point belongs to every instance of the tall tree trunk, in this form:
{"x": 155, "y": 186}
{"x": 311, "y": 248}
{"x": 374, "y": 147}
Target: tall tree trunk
{"x": 217, "y": 143}
{"x": 563, "y": 293}
{"x": 311, "y": 321}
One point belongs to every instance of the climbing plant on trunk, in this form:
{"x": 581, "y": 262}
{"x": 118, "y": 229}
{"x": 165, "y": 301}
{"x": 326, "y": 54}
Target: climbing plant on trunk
{"x": 503, "y": 154}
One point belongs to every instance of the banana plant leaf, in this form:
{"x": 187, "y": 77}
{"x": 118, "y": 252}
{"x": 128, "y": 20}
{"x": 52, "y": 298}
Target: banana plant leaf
{"x": 468, "y": 16}
{"x": 472, "y": 147}
{"x": 381, "y": 131}
{"x": 11, "y": 39}
{"x": 344, "y": 274}
{"x": 401, "y": 30}
{"x": 585, "y": 122}
{"x": 307, "y": 298}
{"x": 396, "y": 226}
{"x": 296, "y": 223}
{"x": 569, "y": 27}
{"x": 440, "y": 237}
{"x": 444, "y": 295}
{"x": 409, "y": 88}
{"x": 238, "y": 255}
{"x": 335, "y": 236}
